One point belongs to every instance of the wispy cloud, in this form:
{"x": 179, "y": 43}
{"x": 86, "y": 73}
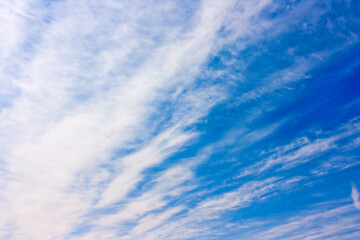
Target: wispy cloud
{"x": 355, "y": 196}
{"x": 303, "y": 150}
{"x": 316, "y": 225}
{"x": 204, "y": 219}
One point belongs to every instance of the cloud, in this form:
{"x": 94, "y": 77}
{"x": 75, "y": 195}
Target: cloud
{"x": 303, "y": 150}
{"x": 204, "y": 219}
{"x": 336, "y": 163}
{"x": 320, "y": 223}
{"x": 355, "y": 196}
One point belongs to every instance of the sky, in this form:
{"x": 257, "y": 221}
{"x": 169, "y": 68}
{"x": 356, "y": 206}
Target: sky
{"x": 174, "y": 120}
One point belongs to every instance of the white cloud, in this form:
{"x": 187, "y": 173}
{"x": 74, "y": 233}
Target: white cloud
{"x": 303, "y": 150}
{"x": 151, "y": 221}
{"x": 337, "y": 163}
{"x": 204, "y": 219}
{"x": 328, "y": 223}
{"x": 355, "y": 196}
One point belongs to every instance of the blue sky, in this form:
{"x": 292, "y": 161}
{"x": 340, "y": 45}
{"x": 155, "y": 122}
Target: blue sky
{"x": 179, "y": 119}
